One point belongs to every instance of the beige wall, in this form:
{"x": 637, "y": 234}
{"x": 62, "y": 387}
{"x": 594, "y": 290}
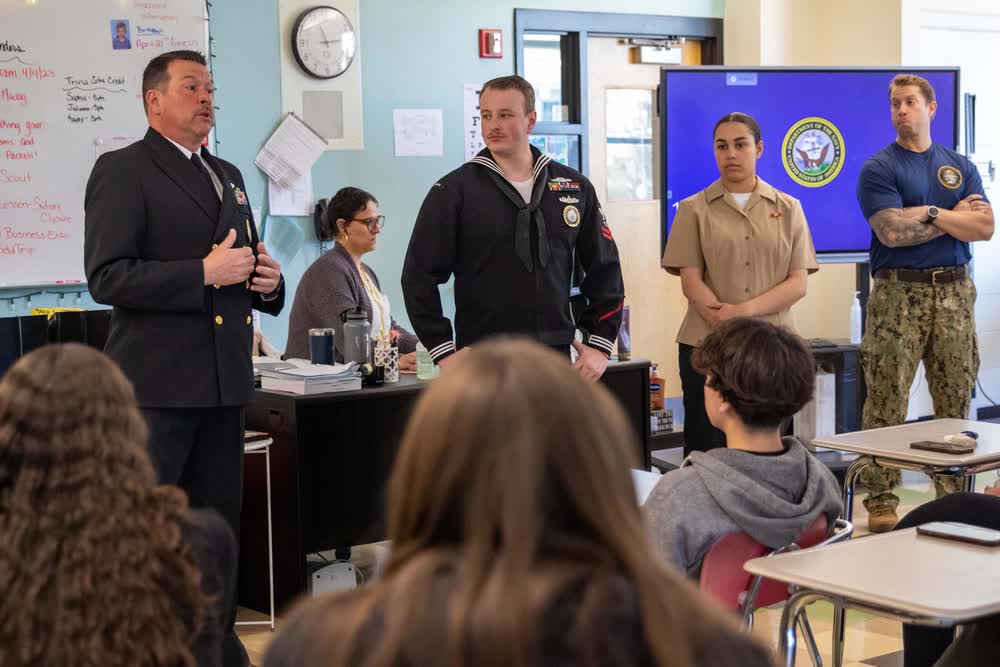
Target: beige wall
{"x": 741, "y": 32}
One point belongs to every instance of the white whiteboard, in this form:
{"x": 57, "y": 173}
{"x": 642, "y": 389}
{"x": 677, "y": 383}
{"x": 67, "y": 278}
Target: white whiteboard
{"x": 69, "y": 90}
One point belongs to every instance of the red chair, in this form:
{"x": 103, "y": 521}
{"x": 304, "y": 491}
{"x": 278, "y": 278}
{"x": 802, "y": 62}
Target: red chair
{"x": 723, "y": 576}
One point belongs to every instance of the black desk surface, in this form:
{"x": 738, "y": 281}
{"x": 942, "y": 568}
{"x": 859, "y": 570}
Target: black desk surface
{"x": 330, "y": 461}
{"x": 840, "y": 346}
{"x": 409, "y": 384}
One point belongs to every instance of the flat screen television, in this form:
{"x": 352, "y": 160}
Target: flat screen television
{"x": 818, "y": 128}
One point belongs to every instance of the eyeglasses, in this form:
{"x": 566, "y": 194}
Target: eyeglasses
{"x": 374, "y": 224}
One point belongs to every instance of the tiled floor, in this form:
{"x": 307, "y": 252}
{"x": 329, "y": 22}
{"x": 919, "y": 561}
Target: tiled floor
{"x": 870, "y": 641}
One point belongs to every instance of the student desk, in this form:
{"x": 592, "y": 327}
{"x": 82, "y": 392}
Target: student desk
{"x": 902, "y": 575}
{"x": 890, "y": 448}
{"x": 330, "y": 462}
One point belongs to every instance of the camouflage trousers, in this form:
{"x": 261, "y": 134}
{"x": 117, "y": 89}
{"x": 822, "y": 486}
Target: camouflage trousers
{"x": 909, "y": 323}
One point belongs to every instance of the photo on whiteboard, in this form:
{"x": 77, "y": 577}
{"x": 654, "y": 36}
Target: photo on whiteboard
{"x": 121, "y": 38}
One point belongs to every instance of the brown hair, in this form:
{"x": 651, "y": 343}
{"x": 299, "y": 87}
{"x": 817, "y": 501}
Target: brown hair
{"x": 513, "y": 82}
{"x": 926, "y": 89}
{"x": 156, "y": 75}
{"x": 512, "y": 486}
{"x": 93, "y": 567}
{"x": 737, "y": 117}
{"x": 765, "y": 372}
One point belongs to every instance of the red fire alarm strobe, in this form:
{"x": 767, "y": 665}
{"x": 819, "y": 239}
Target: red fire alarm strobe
{"x": 490, "y": 44}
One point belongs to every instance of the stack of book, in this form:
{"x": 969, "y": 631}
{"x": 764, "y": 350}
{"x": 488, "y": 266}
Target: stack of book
{"x": 301, "y": 377}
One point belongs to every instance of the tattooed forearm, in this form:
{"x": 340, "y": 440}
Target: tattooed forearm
{"x": 902, "y": 227}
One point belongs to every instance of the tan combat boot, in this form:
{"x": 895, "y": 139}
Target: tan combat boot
{"x": 882, "y": 519}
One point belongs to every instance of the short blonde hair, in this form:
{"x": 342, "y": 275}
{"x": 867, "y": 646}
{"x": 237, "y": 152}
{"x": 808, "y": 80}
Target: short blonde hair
{"x": 513, "y": 82}
{"x": 926, "y": 89}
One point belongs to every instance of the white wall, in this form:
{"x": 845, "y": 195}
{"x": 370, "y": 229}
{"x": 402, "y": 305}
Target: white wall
{"x": 967, "y": 33}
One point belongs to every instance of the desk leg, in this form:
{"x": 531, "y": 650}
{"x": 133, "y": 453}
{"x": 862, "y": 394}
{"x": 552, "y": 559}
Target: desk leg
{"x": 849, "y": 480}
{"x": 839, "y": 620}
{"x": 786, "y": 630}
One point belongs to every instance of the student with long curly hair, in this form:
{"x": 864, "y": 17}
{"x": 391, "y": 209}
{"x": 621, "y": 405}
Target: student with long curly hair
{"x": 516, "y": 540}
{"x": 98, "y": 564}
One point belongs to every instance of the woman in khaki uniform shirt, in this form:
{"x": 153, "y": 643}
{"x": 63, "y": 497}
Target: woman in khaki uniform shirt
{"x": 742, "y": 249}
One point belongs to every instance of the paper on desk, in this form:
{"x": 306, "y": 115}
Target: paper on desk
{"x": 290, "y": 152}
{"x": 296, "y": 200}
{"x": 303, "y": 368}
{"x": 418, "y": 132}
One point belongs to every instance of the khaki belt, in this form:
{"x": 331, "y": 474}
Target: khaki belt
{"x": 927, "y": 276}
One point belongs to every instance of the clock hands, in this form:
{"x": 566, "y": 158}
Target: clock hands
{"x": 326, "y": 39}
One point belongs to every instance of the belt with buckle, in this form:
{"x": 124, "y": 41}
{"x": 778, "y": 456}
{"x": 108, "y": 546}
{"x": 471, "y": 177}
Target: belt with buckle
{"x": 927, "y": 276}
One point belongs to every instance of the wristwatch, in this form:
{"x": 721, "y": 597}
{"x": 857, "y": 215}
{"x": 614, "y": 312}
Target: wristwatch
{"x": 932, "y": 214}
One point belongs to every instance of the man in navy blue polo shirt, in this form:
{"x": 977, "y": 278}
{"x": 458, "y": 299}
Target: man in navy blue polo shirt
{"x": 926, "y": 204}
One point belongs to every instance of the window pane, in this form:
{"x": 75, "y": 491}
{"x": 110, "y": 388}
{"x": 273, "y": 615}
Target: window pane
{"x": 543, "y": 67}
{"x": 563, "y": 148}
{"x": 629, "y": 119}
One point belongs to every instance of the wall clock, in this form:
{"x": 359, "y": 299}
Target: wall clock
{"x": 324, "y": 42}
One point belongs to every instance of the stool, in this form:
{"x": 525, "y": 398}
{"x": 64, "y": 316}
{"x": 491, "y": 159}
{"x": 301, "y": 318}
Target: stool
{"x": 264, "y": 447}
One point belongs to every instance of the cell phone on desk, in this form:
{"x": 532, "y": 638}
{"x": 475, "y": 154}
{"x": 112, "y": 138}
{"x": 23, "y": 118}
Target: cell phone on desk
{"x": 943, "y": 447}
{"x": 962, "y": 532}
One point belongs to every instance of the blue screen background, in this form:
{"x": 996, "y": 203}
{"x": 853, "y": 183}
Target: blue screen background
{"x": 856, "y": 102}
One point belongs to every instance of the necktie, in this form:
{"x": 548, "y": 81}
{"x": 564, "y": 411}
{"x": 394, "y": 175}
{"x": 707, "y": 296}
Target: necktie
{"x": 202, "y": 168}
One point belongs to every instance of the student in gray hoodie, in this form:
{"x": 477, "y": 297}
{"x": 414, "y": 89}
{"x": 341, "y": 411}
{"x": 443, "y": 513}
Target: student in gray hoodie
{"x": 773, "y": 488}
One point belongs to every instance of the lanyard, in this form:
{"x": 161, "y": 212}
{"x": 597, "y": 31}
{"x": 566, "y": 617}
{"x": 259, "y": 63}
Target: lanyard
{"x": 375, "y": 296}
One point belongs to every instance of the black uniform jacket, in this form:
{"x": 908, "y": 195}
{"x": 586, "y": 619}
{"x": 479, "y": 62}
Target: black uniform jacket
{"x": 151, "y": 218}
{"x": 466, "y": 228}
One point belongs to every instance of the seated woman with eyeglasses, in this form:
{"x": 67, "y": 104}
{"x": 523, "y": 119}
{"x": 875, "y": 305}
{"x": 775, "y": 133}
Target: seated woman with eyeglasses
{"x": 340, "y": 281}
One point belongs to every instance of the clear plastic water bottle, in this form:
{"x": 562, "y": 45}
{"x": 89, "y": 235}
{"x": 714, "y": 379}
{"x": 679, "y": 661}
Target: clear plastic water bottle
{"x": 425, "y": 365}
{"x": 856, "y": 319}
{"x": 357, "y": 336}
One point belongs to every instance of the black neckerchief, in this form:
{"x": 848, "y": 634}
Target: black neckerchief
{"x": 526, "y": 211}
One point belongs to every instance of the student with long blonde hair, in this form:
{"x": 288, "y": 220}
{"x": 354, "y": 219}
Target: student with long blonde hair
{"x": 516, "y": 539}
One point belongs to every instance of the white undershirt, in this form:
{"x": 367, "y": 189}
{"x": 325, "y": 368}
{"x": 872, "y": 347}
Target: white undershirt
{"x": 741, "y": 198}
{"x": 381, "y": 321}
{"x": 381, "y": 318}
{"x": 524, "y": 187}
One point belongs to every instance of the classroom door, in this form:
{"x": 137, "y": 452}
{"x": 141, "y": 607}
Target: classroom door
{"x": 624, "y": 166}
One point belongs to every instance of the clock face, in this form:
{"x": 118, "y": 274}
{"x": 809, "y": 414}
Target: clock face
{"x": 324, "y": 42}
